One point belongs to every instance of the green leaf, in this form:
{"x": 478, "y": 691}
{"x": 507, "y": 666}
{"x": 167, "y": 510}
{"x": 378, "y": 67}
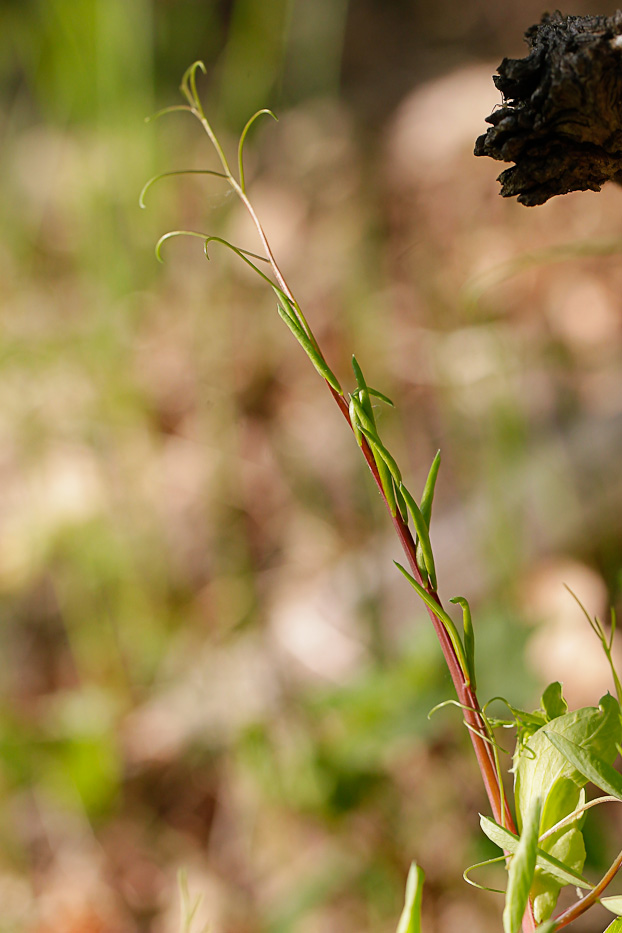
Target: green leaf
{"x": 423, "y": 534}
{"x": 553, "y": 702}
{"x": 615, "y": 926}
{"x": 387, "y": 482}
{"x": 428, "y": 490}
{"x": 592, "y": 767}
{"x": 401, "y": 504}
{"x": 368, "y": 427}
{"x": 543, "y": 771}
{"x": 381, "y": 396}
{"x": 440, "y": 613}
{"x": 469, "y": 636}
{"x": 522, "y": 869}
{"x": 410, "y": 920}
{"x": 613, "y": 904}
{"x": 509, "y": 843}
{"x": 316, "y": 358}
{"x": 363, "y": 391}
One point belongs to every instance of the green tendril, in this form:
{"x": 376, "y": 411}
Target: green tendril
{"x": 185, "y": 171}
{"x": 243, "y": 135}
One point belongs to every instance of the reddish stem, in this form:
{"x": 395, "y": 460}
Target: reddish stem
{"x": 478, "y": 729}
{"x": 581, "y": 906}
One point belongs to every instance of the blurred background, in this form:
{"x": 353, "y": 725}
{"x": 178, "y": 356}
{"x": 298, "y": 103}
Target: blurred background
{"x": 207, "y": 658}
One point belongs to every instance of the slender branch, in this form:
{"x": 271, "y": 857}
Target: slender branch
{"x": 479, "y": 730}
{"x": 586, "y": 902}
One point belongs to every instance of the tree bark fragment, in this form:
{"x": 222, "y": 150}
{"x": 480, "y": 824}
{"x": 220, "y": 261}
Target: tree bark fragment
{"x": 561, "y": 117}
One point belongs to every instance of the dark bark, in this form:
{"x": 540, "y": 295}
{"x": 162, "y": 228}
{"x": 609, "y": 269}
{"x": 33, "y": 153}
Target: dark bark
{"x": 561, "y": 119}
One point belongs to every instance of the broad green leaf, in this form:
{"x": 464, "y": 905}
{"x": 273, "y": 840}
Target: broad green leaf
{"x": 553, "y": 702}
{"x": 539, "y": 769}
{"x": 592, "y": 767}
{"x": 543, "y": 771}
{"x": 410, "y": 920}
{"x": 615, "y": 926}
{"x": 613, "y": 904}
{"x": 509, "y": 842}
{"x": 521, "y": 870}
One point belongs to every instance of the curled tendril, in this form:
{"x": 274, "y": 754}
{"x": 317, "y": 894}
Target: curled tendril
{"x": 160, "y": 113}
{"x": 571, "y": 817}
{"x": 243, "y": 135}
{"x": 242, "y": 253}
{"x": 188, "y": 85}
{"x": 170, "y": 235}
{"x": 185, "y": 171}
{"x": 483, "y": 887}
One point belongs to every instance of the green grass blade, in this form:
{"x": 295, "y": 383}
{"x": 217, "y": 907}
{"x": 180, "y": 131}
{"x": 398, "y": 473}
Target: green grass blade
{"x": 410, "y": 920}
{"x": 521, "y": 870}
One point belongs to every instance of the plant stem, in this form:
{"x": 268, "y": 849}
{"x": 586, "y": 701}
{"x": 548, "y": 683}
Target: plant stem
{"x": 478, "y": 729}
{"x": 586, "y": 902}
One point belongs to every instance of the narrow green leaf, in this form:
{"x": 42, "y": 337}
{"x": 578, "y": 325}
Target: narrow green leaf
{"x": 509, "y": 843}
{"x": 421, "y": 527}
{"x": 354, "y": 422}
{"x": 615, "y": 926}
{"x": 388, "y": 486}
{"x": 318, "y": 361}
{"x": 420, "y": 559}
{"x": 410, "y": 920}
{"x": 401, "y": 504}
{"x": 363, "y": 391}
{"x": 468, "y": 635}
{"x": 428, "y": 490}
{"x": 381, "y": 396}
{"x": 521, "y": 870}
{"x": 613, "y": 904}
{"x": 438, "y": 611}
{"x": 588, "y": 764}
{"x": 553, "y": 702}
{"x": 368, "y": 429}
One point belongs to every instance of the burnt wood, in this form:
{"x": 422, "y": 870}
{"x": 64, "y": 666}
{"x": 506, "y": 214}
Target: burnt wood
{"x": 561, "y": 118}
